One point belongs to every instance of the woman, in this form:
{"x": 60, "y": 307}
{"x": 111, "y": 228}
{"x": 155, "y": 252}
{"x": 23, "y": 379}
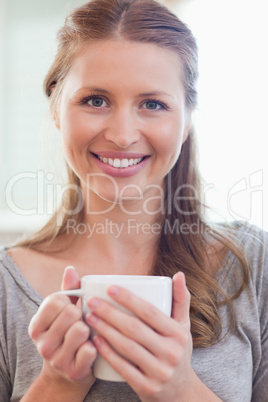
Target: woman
{"x": 122, "y": 89}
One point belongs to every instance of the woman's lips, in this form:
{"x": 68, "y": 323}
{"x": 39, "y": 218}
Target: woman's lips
{"x": 119, "y": 154}
{"x": 120, "y": 164}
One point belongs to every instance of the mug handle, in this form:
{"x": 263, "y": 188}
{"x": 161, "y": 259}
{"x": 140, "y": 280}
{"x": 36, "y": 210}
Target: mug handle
{"x": 71, "y": 292}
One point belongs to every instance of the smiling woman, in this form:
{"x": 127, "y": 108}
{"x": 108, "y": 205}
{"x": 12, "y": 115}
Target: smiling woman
{"x": 122, "y": 91}
{"x": 126, "y": 124}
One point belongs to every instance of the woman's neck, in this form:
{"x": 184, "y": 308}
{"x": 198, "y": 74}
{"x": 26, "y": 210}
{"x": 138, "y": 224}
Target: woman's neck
{"x": 122, "y": 239}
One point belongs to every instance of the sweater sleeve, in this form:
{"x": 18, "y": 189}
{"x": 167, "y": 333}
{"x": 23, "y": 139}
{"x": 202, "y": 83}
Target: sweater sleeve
{"x": 5, "y": 383}
{"x": 260, "y": 381}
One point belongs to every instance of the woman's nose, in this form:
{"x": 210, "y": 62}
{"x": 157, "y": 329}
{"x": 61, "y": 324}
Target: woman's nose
{"x": 123, "y": 129}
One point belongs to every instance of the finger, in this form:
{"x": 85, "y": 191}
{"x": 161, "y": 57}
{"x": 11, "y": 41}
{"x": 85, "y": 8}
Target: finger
{"x": 84, "y": 358}
{"x": 131, "y": 374}
{"x": 53, "y": 338}
{"x": 127, "y": 324}
{"x": 146, "y": 311}
{"x": 70, "y": 280}
{"x": 133, "y": 328}
{"x": 181, "y": 300}
{"x": 130, "y": 349}
{"x": 49, "y": 310}
{"x": 75, "y": 337}
{"x": 117, "y": 362}
{"x": 54, "y": 304}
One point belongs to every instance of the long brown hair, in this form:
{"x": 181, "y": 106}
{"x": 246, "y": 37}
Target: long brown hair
{"x": 178, "y": 250}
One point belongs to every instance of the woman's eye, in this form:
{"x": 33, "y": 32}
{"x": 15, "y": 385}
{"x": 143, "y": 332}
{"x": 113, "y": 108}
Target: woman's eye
{"x": 153, "y": 105}
{"x": 96, "y": 102}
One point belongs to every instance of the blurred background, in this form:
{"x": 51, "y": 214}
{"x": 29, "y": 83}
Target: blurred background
{"x": 231, "y": 121}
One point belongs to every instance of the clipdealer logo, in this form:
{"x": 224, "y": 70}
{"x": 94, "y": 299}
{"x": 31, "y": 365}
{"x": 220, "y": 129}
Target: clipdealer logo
{"x": 132, "y": 227}
{"x": 244, "y": 199}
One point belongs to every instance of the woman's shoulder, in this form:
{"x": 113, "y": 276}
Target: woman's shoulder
{"x": 249, "y": 233}
{"x": 14, "y": 288}
{"x": 30, "y": 270}
{"x": 7, "y": 266}
{"x": 15, "y": 260}
{"x": 243, "y": 256}
{"x": 249, "y": 238}
{"x": 255, "y": 246}
{"x": 253, "y": 243}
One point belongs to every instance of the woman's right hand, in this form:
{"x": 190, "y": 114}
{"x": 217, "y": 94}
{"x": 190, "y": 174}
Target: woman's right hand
{"x": 62, "y": 339}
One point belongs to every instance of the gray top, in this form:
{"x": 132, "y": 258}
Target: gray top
{"x": 236, "y": 368}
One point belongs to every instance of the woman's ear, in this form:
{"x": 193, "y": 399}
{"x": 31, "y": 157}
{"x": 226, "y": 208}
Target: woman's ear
{"x": 56, "y": 119}
{"x": 55, "y": 114}
{"x": 186, "y": 132}
{"x": 188, "y": 126}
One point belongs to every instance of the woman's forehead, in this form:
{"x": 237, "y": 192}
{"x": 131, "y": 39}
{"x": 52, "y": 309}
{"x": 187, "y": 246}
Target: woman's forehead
{"x": 124, "y": 62}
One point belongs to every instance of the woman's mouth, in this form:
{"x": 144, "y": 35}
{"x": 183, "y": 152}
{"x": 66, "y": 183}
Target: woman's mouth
{"x": 120, "y": 163}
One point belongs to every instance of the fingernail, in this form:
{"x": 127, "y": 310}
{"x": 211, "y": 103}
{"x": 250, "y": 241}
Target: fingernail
{"x": 94, "y": 303}
{"x": 69, "y": 267}
{"x": 97, "y": 340}
{"x": 113, "y": 290}
{"x": 183, "y": 276}
{"x": 92, "y": 318}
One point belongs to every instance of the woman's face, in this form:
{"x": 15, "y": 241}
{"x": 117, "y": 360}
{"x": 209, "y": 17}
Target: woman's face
{"x": 122, "y": 117}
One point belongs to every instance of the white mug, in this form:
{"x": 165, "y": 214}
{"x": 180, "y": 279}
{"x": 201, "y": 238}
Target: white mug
{"x": 155, "y": 289}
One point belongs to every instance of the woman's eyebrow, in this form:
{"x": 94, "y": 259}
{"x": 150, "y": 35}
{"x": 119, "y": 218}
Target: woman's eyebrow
{"x": 94, "y": 89}
{"x": 105, "y": 91}
{"x": 155, "y": 93}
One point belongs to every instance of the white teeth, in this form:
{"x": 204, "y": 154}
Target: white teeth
{"x": 120, "y": 163}
{"x": 124, "y": 163}
{"x": 117, "y": 163}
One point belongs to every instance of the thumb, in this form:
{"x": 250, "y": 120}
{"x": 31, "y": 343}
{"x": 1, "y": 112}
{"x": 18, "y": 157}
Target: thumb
{"x": 70, "y": 280}
{"x": 181, "y": 300}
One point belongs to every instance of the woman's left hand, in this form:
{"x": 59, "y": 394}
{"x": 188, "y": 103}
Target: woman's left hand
{"x": 159, "y": 347}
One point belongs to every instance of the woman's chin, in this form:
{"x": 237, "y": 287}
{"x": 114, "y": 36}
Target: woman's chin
{"x": 130, "y": 202}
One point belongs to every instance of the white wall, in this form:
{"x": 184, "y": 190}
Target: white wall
{"x": 27, "y": 47}
{"x": 232, "y": 121}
